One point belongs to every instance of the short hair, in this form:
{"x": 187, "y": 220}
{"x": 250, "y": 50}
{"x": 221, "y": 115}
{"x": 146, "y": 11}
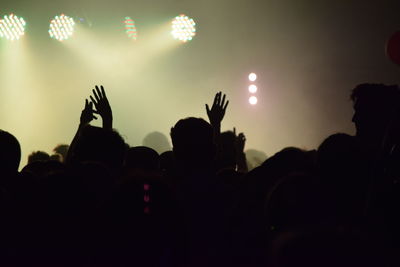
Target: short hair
{"x": 193, "y": 139}
{"x": 38, "y": 156}
{"x": 142, "y": 157}
{"x": 100, "y": 145}
{"x": 379, "y": 93}
{"x": 10, "y": 152}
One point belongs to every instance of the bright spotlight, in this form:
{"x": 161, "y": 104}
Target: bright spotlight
{"x": 183, "y": 28}
{"x": 130, "y": 28}
{"x": 12, "y": 27}
{"x": 252, "y": 77}
{"x": 61, "y": 27}
{"x": 252, "y": 88}
{"x": 253, "y": 100}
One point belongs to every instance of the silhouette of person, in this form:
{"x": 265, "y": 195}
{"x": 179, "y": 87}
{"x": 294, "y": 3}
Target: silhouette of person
{"x": 157, "y": 141}
{"x": 10, "y": 154}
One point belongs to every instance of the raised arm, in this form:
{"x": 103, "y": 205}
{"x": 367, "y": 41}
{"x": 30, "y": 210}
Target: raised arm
{"x": 240, "y": 141}
{"x": 86, "y": 117}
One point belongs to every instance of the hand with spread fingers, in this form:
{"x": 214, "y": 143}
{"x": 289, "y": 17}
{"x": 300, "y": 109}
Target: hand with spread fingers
{"x": 87, "y": 113}
{"x": 217, "y": 111}
{"x": 103, "y": 108}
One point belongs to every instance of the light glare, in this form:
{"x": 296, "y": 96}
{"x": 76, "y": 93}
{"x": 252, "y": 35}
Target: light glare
{"x": 183, "y": 28}
{"x": 252, "y": 77}
{"x": 252, "y": 88}
{"x": 61, "y": 27}
{"x": 253, "y": 100}
{"x": 130, "y": 28}
{"x": 12, "y": 27}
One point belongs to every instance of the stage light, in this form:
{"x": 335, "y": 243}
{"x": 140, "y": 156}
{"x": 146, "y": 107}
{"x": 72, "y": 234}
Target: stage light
{"x": 61, "y": 27}
{"x": 12, "y": 27}
{"x": 252, "y": 77}
{"x": 183, "y": 28}
{"x": 253, "y": 100}
{"x": 130, "y": 28}
{"x": 252, "y": 88}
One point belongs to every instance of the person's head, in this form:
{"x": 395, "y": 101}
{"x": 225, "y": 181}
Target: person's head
{"x": 62, "y": 150}
{"x": 157, "y": 141}
{"x": 375, "y": 106}
{"x": 141, "y": 157}
{"x": 38, "y": 156}
{"x": 291, "y": 159}
{"x": 192, "y": 140}
{"x": 100, "y": 145}
{"x": 167, "y": 161}
{"x": 10, "y": 153}
{"x": 338, "y": 153}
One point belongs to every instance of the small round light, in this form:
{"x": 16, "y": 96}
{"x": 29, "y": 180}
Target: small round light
{"x": 253, "y": 100}
{"x": 252, "y": 77}
{"x": 252, "y": 88}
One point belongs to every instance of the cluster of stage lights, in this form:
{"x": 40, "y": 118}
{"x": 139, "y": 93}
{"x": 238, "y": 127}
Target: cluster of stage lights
{"x": 130, "y": 28}
{"x": 253, "y": 89}
{"x": 183, "y": 28}
{"x": 62, "y": 27}
{"x": 12, "y": 27}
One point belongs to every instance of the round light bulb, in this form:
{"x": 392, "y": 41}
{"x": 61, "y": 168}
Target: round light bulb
{"x": 253, "y": 100}
{"x": 252, "y": 77}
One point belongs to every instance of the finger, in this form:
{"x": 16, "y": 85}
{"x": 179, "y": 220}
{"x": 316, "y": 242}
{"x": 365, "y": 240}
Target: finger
{"x": 219, "y": 99}
{"x": 207, "y": 109}
{"x": 94, "y": 117}
{"x": 226, "y": 105}
{"x": 223, "y": 100}
{"x": 86, "y": 103}
{"x": 234, "y": 131}
{"x": 93, "y": 101}
{"x": 95, "y": 93}
{"x": 215, "y": 99}
{"x": 95, "y": 111}
{"x": 98, "y": 92}
{"x": 103, "y": 92}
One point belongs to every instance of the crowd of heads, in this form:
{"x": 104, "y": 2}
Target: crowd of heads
{"x": 100, "y": 202}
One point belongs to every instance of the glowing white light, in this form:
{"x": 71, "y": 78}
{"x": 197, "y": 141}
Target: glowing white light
{"x": 252, "y": 77}
{"x": 61, "y": 27}
{"x": 183, "y": 28}
{"x": 12, "y": 27}
{"x": 253, "y": 100}
{"x": 252, "y": 88}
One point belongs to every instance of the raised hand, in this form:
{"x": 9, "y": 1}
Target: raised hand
{"x": 240, "y": 141}
{"x": 217, "y": 111}
{"x": 102, "y": 106}
{"x": 87, "y": 113}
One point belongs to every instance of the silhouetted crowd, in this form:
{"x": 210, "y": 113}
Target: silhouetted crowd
{"x": 100, "y": 202}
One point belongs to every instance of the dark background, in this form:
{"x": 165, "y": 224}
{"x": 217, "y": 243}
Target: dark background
{"x": 308, "y": 55}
